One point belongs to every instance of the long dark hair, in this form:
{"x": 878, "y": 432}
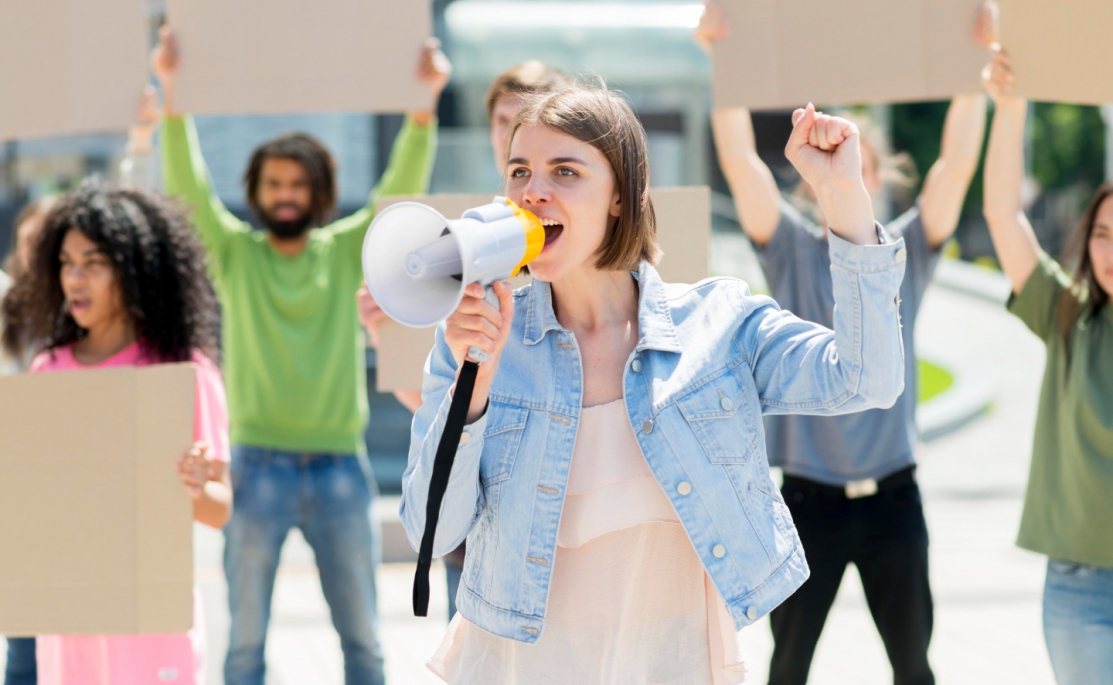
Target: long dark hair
{"x": 1078, "y": 251}
{"x": 313, "y": 157}
{"x": 156, "y": 256}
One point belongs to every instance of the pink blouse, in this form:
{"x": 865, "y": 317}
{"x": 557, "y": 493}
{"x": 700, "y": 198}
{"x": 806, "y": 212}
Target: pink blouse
{"x": 138, "y": 659}
{"x": 629, "y": 601}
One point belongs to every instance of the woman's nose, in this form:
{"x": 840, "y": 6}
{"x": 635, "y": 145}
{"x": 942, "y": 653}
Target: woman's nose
{"x": 535, "y": 192}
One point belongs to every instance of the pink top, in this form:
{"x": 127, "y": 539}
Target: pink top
{"x": 138, "y": 659}
{"x": 629, "y": 601}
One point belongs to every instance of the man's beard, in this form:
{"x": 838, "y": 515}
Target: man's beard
{"x": 285, "y": 230}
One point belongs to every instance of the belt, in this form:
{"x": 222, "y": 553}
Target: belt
{"x": 856, "y": 489}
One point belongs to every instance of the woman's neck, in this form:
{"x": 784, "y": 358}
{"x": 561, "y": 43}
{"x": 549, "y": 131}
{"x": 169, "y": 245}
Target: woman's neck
{"x": 103, "y": 342}
{"x": 588, "y": 299}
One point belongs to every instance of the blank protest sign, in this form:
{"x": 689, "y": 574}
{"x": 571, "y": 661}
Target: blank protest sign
{"x": 683, "y": 232}
{"x": 284, "y": 56}
{"x": 99, "y": 526}
{"x": 70, "y": 66}
{"x": 785, "y": 53}
{"x": 1060, "y": 50}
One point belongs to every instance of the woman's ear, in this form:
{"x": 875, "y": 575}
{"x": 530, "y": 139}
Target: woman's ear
{"x": 616, "y": 205}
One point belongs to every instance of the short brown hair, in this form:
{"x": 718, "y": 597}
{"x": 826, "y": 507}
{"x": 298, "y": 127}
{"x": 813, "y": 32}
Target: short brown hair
{"x": 528, "y": 78}
{"x": 313, "y": 157}
{"x": 603, "y": 119}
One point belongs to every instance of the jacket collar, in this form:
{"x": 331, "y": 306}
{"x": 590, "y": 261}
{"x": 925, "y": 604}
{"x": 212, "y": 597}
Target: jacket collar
{"x": 655, "y": 327}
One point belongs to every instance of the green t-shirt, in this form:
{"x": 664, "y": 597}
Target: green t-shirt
{"x": 293, "y": 349}
{"x": 1068, "y": 508}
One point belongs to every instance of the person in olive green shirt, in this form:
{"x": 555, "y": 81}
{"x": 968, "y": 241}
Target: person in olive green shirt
{"x": 1068, "y": 507}
{"x": 294, "y": 366}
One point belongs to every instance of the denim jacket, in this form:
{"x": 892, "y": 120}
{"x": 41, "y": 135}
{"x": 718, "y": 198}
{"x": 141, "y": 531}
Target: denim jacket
{"x": 711, "y": 358}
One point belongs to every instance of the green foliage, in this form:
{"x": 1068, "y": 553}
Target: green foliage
{"x": 1068, "y": 146}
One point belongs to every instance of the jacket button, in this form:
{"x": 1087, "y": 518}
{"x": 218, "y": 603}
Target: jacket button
{"x": 684, "y": 488}
{"x": 464, "y": 437}
{"x": 751, "y": 613}
{"x": 902, "y": 254}
{"x": 726, "y": 404}
{"x": 647, "y": 427}
{"x": 636, "y": 365}
{"x": 719, "y": 551}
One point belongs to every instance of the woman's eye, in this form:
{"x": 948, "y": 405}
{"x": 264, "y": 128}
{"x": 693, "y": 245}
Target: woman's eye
{"x": 565, "y": 171}
{"x": 518, "y": 173}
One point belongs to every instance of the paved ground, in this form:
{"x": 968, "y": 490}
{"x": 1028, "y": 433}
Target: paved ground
{"x": 987, "y": 591}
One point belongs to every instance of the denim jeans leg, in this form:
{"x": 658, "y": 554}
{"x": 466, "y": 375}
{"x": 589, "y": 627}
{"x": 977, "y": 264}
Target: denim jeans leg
{"x": 338, "y": 527}
{"x": 1078, "y": 623}
{"x": 265, "y": 495}
{"x": 21, "y": 668}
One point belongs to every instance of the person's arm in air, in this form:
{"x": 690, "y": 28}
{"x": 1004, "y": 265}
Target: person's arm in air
{"x": 184, "y": 170}
{"x": 414, "y": 151}
{"x": 799, "y": 366}
{"x": 139, "y": 167}
{"x": 755, "y": 192}
{"x": 1013, "y": 238}
{"x": 948, "y": 180}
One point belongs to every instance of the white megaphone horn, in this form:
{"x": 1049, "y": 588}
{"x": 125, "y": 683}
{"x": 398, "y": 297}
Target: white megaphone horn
{"x": 417, "y": 263}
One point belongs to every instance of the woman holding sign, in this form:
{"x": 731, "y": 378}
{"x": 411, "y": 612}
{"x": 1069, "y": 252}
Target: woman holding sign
{"x": 1068, "y": 506}
{"x": 613, "y": 442}
{"x": 117, "y": 278}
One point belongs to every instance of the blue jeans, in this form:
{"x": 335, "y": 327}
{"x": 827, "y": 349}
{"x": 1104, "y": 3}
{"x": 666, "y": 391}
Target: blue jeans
{"x": 21, "y": 668}
{"x": 1078, "y": 622}
{"x": 328, "y": 497}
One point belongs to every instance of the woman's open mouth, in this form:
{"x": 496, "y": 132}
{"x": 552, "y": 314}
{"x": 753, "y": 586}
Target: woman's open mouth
{"x": 553, "y": 229}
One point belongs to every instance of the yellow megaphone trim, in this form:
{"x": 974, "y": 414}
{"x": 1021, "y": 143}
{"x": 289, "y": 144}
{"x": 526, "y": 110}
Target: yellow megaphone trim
{"x": 535, "y": 234}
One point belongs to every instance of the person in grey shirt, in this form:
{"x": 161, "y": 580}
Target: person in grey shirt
{"x": 849, "y": 480}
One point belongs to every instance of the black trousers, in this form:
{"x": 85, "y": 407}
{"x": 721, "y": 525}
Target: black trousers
{"x": 885, "y": 536}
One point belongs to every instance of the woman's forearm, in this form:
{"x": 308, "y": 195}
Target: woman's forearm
{"x": 1013, "y": 238}
{"x": 214, "y": 507}
{"x": 756, "y": 196}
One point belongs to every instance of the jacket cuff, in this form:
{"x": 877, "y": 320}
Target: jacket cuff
{"x": 888, "y": 254}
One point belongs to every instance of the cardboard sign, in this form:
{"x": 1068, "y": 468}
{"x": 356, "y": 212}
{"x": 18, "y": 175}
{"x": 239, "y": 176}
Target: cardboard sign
{"x": 98, "y": 527}
{"x": 786, "y": 53}
{"x": 1059, "y": 49}
{"x": 683, "y": 232}
{"x": 282, "y": 56}
{"x": 70, "y": 66}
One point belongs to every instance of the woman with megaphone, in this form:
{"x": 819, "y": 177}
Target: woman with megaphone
{"x": 611, "y": 476}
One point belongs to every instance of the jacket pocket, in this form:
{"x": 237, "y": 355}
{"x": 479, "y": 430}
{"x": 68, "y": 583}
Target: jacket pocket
{"x": 721, "y": 419}
{"x": 505, "y": 425}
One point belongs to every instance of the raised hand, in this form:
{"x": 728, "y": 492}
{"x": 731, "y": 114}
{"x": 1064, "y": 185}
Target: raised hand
{"x": 997, "y": 77}
{"x": 147, "y": 114}
{"x": 434, "y": 69}
{"x": 165, "y": 61}
{"x": 713, "y": 26}
{"x": 825, "y": 151}
{"x": 986, "y": 32}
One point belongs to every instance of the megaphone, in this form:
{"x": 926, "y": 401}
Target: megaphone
{"x": 417, "y": 263}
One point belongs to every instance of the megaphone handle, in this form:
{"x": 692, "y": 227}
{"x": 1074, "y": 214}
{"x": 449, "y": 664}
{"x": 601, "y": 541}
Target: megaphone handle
{"x": 474, "y": 353}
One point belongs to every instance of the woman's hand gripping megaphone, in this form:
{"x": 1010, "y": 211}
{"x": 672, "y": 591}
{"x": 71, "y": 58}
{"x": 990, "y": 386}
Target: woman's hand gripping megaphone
{"x": 477, "y": 323}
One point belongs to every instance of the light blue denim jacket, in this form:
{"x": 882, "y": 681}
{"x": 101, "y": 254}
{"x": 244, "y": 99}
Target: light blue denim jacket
{"x": 710, "y": 359}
